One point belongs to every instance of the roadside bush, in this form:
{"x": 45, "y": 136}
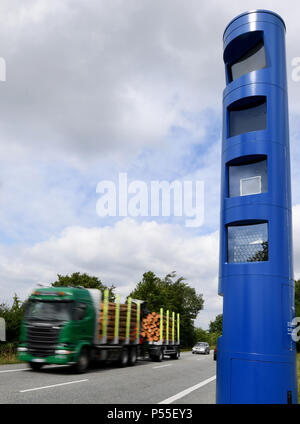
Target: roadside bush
{"x": 13, "y": 316}
{"x": 8, "y": 352}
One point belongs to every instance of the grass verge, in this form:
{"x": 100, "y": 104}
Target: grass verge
{"x": 8, "y": 354}
{"x": 4, "y": 360}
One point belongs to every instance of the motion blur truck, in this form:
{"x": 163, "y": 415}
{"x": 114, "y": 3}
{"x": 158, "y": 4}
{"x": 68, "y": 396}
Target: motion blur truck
{"x": 68, "y": 325}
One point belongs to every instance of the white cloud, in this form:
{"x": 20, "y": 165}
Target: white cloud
{"x": 102, "y": 80}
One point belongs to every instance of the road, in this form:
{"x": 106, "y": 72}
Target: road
{"x": 189, "y": 380}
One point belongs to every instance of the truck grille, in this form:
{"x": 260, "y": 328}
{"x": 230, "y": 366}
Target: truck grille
{"x": 42, "y": 340}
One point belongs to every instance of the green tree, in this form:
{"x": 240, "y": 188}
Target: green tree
{"x": 216, "y": 326}
{"x": 201, "y": 335}
{"x": 172, "y": 294}
{"x": 151, "y": 290}
{"x": 13, "y": 316}
{"x": 212, "y": 339}
{"x": 206, "y": 336}
{"x": 261, "y": 255}
{"x": 84, "y": 280}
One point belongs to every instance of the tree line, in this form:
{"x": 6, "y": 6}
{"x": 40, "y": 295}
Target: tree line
{"x": 170, "y": 292}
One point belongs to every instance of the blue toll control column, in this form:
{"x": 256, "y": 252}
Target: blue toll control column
{"x": 256, "y": 358}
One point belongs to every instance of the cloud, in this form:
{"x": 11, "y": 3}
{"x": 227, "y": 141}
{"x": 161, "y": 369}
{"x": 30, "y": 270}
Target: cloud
{"x": 88, "y": 81}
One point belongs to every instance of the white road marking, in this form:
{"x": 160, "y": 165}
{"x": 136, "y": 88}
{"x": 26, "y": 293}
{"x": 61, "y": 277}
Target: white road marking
{"x": 187, "y": 391}
{"x": 53, "y": 385}
{"x": 161, "y": 366}
{"x": 194, "y": 358}
{"x": 18, "y": 369}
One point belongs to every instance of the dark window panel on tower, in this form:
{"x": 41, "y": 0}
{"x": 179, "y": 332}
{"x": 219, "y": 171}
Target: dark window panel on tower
{"x": 247, "y": 115}
{"x": 253, "y": 60}
{"x": 248, "y": 243}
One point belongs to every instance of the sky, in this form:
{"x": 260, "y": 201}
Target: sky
{"x": 98, "y": 88}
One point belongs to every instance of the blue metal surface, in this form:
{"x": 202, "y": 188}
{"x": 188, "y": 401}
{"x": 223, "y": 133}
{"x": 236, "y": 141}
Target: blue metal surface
{"x": 256, "y": 355}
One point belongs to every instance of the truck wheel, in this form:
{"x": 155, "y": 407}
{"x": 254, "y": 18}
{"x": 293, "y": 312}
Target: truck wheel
{"x": 124, "y": 357}
{"x": 35, "y": 366}
{"x": 132, "y": 356}
{"x": 175, "y": 355}
{"x": 160, "y": 356}
{"x": 82, "y": 364}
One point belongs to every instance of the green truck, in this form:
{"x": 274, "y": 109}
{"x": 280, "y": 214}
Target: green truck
{"x": 74, "y": 326}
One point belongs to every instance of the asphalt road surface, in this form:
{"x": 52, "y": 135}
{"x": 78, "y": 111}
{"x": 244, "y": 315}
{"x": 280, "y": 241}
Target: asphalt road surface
{"x": 189, "y": 380}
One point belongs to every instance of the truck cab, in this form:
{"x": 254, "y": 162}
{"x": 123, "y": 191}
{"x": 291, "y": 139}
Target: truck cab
{"x": 58, "y": 327}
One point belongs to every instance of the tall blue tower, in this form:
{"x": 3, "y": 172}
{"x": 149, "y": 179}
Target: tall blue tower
{"x": 256, "y": 360}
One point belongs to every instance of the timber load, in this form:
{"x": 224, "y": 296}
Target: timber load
{"x": 119, "y": 322}
{"x": 123, "y": 323}
{"x": 161, "y": 328}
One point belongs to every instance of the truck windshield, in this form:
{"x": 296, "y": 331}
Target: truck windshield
{"x": 48, "y": 311}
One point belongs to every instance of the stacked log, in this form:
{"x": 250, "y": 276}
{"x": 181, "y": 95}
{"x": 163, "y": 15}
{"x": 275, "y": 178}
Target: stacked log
{"x": 151, "y": 327}
{"x": 111, "y": 315}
